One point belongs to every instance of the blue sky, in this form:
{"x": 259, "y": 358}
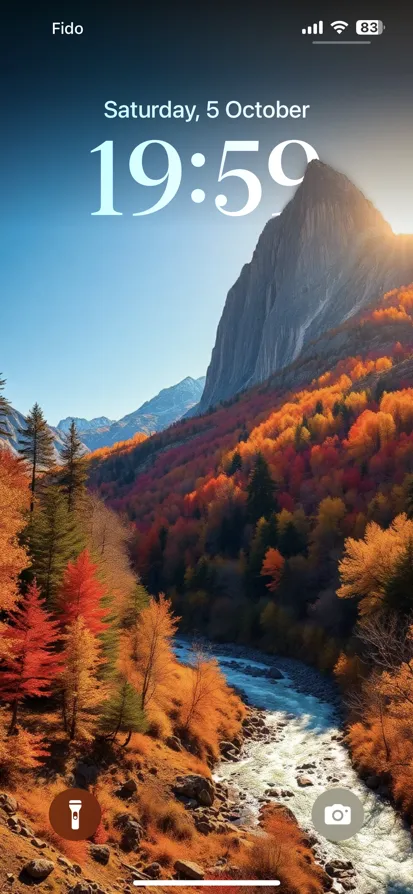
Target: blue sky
{"x": 99, "y": 314}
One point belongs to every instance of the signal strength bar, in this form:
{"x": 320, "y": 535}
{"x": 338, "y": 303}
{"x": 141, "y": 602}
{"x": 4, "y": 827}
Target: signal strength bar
{"x": 317, "y": 28}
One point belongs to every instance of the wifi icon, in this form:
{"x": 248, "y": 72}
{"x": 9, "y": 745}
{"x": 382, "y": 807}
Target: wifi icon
{"x": 339, "y": 26}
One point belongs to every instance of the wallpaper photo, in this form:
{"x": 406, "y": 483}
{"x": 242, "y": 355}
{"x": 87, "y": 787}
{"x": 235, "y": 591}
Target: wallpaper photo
{"x": 206, "y": 448}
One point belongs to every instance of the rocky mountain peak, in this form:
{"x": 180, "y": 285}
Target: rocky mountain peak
{"x": 328, "y": 254}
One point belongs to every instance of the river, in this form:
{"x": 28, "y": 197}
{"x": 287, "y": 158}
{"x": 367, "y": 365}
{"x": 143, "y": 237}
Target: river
{"x": 305, "y": 728}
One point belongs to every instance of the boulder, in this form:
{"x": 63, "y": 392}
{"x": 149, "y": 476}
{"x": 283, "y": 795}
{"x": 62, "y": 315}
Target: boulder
{"x": 335, "y": 868}
{"x": 39, "y": 869}
{"x": 205, "y": 826}
{"x": 127, "y": 789}
{"x": 65, "y": 863}
{"x": 197, "y": 787}
{"x": 227, "y": 748}
{"x": 274, "y": 674}
{"x": 131, "y": 829}
{"x": 100, "y": 853}
{"x": 373, "y": 782}
{"x": 86, "y": 774}
{"x": 189, "y": 870}
{"x": 153, "y": 870}
{"x": 8, "y": 803}
{"x": 37, "y": 842}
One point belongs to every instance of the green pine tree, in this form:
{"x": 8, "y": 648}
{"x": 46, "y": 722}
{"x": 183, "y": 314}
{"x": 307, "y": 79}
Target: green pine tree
{"x": 265, "y": 537}
{"x": 235, "y": 464}
{"x": 74, "y": 467}
{"x": 261, "y": 500}
{"x": 122, "y": 711}
{"x": 138, "y": 600}
{"x": 291, "y": 541}
{"x": 36, "y": 446}
{"x": 54, "y": 538}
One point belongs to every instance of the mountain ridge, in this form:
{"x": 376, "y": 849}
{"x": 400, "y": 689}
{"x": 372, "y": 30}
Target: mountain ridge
{"x": 165, "y": 408}
{"x": 14, "y": 420}
{"x": 329, "y": 245}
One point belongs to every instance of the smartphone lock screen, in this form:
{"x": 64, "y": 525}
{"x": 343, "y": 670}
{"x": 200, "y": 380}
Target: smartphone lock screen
{"x": 206, "y": 447}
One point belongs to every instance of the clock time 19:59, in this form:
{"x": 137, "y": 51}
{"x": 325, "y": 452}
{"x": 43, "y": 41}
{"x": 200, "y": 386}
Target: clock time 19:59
{"x": 173, "y": 174}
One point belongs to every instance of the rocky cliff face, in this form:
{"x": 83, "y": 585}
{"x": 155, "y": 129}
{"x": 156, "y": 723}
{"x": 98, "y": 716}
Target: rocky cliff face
{"x": 327, "y": 255}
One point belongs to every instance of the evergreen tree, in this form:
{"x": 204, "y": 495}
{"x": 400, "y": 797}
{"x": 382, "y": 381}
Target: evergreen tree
{"x": 36, "y": 446}
{"x": 265, "y": 537}
{"x": 261, "y": 501}
{"x": 4, "y": 410}
{"x": 138, "y": 600}
{"x": 31, "y": 666}
{"x": 74, "y": 468}
{"x": 291, "y": 541}
{"x": 122, "y": 711}
{"x": 235, "y": 464}
{"x": 54, "y": 540}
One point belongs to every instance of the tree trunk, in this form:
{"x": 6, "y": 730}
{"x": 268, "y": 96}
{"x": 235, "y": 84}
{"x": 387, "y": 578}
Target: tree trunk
{"x": 73, "y": 724}
{"x": 127, "y": 740}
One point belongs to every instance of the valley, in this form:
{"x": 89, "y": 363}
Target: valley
{"x": 265, "y": 515}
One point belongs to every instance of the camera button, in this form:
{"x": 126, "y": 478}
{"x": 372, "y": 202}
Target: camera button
{"x": 338, "y": 814}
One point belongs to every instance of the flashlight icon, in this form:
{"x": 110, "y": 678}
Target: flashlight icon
{"x": 75, "y": 807}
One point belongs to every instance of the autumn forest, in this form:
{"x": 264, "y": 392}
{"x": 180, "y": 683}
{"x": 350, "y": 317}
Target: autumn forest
{"x": 280, "y": 520}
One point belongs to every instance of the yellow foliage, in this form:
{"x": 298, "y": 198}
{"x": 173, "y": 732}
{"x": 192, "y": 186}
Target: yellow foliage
{"x": 282, "y": 855}
{"x": 81, "y": 690}
{"x": 368, "y": 563}
{"x": 14, "y": 500}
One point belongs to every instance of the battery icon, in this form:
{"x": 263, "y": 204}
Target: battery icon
{"x": 369, "y": 26}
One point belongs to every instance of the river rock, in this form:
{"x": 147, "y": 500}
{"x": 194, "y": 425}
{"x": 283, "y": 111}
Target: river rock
{"x": 373, "y": 782}
{"x": 335, "y": 868}
{"x": 274, "y": 674}
{"x": 189, "y": 870}
{"x": 200, "y": 788}
{"x": 304, "y": 781}
{"x": 39, "y": 869}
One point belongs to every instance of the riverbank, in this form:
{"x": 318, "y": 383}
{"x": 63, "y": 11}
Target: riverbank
{"x": 307, "y": 740}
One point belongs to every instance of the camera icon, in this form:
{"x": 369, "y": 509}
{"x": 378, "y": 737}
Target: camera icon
{"x": 337, "y": 815}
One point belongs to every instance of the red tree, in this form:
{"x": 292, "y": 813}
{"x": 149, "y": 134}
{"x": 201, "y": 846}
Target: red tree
{"x": 82, "y": 593}
{"x": 31, "y": 665}
{"x": 273, "y": 566}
